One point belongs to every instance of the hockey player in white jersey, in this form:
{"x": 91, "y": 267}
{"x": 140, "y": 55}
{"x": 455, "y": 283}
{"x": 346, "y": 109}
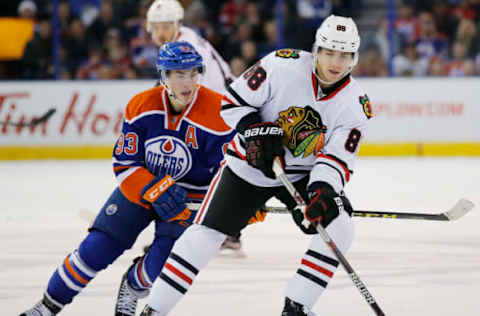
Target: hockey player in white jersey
{"x": 311, "y": 117}
{"x": 164, "y": 23}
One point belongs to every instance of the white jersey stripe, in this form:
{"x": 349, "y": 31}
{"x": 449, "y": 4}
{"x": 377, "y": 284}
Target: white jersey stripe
{"x": 210, "y": 193}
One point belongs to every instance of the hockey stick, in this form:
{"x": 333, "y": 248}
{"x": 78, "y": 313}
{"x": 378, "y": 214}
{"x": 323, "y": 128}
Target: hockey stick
{"x": 33, "y": 122}
{"x": 462, "y": 207}
{"x": 278, "y": 169}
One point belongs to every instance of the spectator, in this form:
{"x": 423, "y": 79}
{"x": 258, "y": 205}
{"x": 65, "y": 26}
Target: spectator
{"x": 65, "y": 16}
{"x": 105, "y": 20}
{"x": 37, "y": 59}
{"x": 406, "y": 22}
{"x": 456, "y": 66}
{"x": 230, "y": 14}
{"x": 410, "y": 63}
{"x": 429, "y": 42}
{"x": 437, "y": 67}
{"x": 249, "y": 52}
{"x": 233, "y": 44}
{"x": 467, "y": 34}
{"x": 444, "y": 19}
{"x": 76, "y": 45}
{"x": 238, "y": 66}
{"x": 380, "y": 39}
{"x": 90, "y": 69}
{"x": 27, "y": 9}
{"x": 271, "y": 43}
{"x": 371, "y": 64}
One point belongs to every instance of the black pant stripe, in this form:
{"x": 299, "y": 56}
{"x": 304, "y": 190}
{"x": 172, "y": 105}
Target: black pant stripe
{"x": 323, "y": 258}
{"x": 341, "y": 162}
{"x": 312, "y": 278}
{"x": 172, "y": 283}
{"x": 228, "y": 106}
{"x": 183, "y": 262}
{"x": 232, "y": 153}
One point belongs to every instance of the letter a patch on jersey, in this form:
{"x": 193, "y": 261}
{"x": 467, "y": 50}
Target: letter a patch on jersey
{"x": 191, "y": 137}
{"x": 366, "y": 105}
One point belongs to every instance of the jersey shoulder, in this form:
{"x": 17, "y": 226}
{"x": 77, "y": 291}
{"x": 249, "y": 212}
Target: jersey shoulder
{"x": 288, "y": 58}
{"x": 189, "y": 35}
{"x": 357, "y": 100}
{"x": 146, "y": 101}
{"x": 206, "y": 111}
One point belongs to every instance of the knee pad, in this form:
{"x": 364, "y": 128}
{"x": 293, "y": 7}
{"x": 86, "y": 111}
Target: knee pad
{"x": 99, "y": 249}
{"x": 122, "y": 219}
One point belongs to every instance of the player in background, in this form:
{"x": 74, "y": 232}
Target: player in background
{"x": 171, "y": 145}
{"x": 164, "y": 23}
{"x": 312, "y": 117}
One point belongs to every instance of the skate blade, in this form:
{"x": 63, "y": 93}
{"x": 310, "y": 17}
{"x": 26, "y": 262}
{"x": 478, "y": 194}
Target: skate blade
{"x": 232, "y": 253}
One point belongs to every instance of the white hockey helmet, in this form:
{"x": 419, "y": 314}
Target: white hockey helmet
{"x": 164, "y": 11}
{"x": 338, "y": 33}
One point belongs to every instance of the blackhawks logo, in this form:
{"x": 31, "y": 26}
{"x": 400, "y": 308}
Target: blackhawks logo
{"x": 367, "y": 107}
{"x": 303, "y": 129}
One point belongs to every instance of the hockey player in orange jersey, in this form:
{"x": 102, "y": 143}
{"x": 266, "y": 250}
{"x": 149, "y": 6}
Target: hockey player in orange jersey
{"x": 171, "y": 145}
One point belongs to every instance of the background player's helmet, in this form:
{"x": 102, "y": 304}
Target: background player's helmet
{"x": 338, "y": 33}
{"x": 177, "y": 56}
{"x": 164, "y": 11}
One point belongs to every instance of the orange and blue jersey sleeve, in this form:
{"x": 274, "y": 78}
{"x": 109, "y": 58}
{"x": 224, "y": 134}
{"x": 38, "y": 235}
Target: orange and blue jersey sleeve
{"x": 129, "y": 154}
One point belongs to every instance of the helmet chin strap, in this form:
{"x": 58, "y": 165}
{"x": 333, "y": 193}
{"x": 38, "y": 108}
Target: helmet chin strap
{"x": 177, "y": 30}
{"x": 173, "y": 97}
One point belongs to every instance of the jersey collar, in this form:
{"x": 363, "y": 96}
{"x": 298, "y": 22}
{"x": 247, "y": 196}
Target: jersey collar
{"x": 328, "y": 93}
{"x": 172, "y": 120}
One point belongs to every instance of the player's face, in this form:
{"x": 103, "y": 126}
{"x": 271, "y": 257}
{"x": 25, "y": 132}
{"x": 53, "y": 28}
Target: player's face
{"x": 183, "y": 84}
{"x": 162, "y": 32}
{"x": 332, "y": 65}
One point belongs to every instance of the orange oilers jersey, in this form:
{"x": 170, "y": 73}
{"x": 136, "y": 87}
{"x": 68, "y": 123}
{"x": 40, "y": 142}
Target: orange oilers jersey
{"x": 189, "y": 146}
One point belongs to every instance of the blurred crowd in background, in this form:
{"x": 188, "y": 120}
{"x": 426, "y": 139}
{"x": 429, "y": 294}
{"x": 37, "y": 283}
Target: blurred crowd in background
{"x": 106, "y": 39}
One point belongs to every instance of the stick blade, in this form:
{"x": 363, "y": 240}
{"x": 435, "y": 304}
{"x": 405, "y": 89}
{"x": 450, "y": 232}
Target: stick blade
{"x": 462, "y": 207}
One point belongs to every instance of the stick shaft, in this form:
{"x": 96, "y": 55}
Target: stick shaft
{"x": 278, "y": 169}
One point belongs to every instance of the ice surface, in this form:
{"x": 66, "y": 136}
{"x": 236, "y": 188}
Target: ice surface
{"x": 411, "y": 267}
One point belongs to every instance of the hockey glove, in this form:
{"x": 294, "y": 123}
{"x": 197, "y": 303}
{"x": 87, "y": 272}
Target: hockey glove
{"x": 325, "y": 205}
{"x": 258, "y": 217}
{"x": 263, "y": 142}
{"x": 167, "y": 198}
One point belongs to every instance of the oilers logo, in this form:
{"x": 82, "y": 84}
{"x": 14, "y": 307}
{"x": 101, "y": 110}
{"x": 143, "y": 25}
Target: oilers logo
{"x": 168, "y": 155}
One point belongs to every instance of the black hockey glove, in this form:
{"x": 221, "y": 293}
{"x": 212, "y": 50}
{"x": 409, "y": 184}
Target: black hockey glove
{"x": 263, "y": 142}
{"x": 325, "y": 205}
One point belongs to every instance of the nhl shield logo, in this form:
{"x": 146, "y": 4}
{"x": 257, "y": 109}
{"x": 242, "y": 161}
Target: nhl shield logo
{"x": 111, "y": 209}
{"x": 168, "y": 155}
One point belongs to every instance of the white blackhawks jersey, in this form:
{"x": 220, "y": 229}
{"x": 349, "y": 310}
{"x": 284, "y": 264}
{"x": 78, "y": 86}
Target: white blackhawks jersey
{"x": 217, "y": 70}
{"x": 322, "y": 129}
